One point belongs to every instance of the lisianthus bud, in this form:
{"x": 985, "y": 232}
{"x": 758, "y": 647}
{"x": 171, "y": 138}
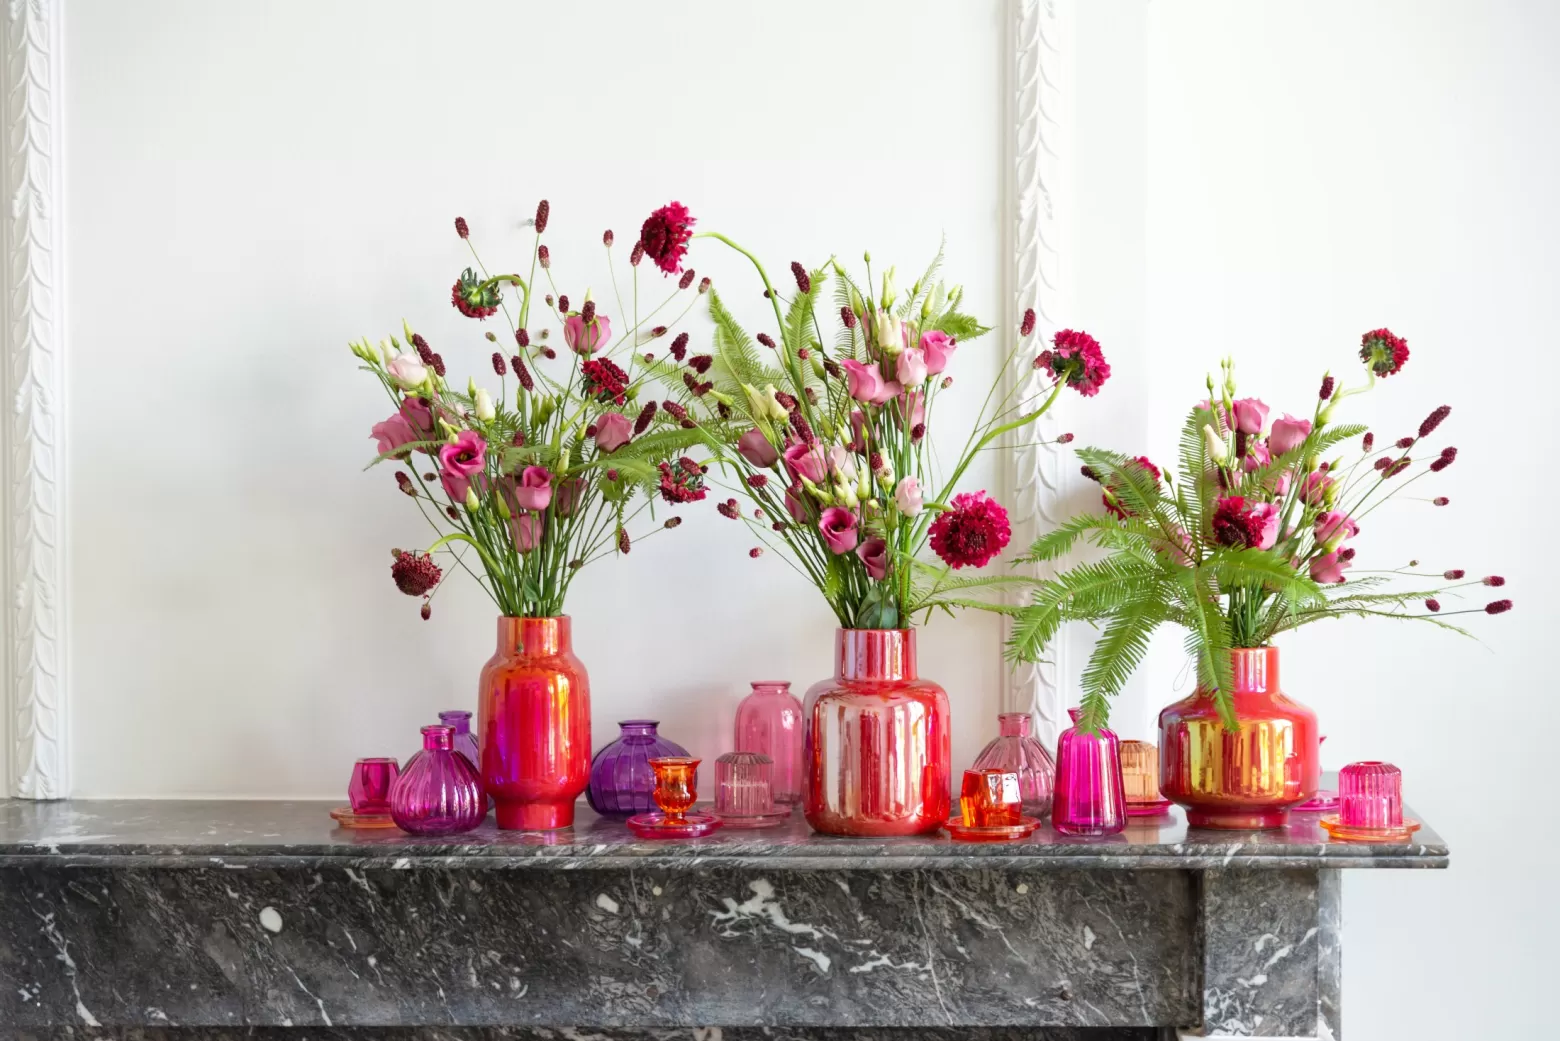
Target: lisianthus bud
{"x": 471, "y": 501}
{"x": 484, "y": 404}
{"x": 890, "y": 290}
{"x": 890, "y": 340}
{"x": 1218, "y": 451}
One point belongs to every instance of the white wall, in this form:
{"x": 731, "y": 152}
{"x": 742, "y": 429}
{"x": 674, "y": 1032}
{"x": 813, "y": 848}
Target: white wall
{"x": 249, "y": 187}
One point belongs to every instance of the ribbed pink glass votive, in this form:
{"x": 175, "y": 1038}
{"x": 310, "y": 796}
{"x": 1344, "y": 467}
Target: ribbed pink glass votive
{"x": 369, "y": 789}
{"x": 1370, "y": 805}
{"x": 744, "y": 791}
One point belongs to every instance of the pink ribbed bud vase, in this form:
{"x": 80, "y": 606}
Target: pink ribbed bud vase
{"x": 438, "y": 793}
{"x": 1015, "y": 749}
{"x": 770, "y": 722}
{"x": 1090, "y": 792}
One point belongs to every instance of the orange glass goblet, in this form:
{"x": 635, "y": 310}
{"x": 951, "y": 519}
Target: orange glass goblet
{"x": 990, "y": 798}
{"x": 674, "y": 785}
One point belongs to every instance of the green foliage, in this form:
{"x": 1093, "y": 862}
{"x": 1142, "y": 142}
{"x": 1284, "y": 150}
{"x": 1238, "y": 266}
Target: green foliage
{"x": 737, "y": 360}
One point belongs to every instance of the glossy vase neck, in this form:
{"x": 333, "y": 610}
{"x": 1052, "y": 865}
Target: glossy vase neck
{"x": 535, "y": 637}
{"x": 1014, "y": 724}
{"x": 639, "y": 729}
{"x": 460, "y": 721}
{"x": 439, "y": 737}
{"x": 874, "y": 655}
{"x": 771, "y": 687}
{"x": 1255, "y": 670}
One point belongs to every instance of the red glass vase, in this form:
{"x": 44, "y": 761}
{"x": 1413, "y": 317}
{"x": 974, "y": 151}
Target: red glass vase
{"x": 1249, "y": 778}
{"x": 877, "y": 749}
{"x": 533, "y": 720}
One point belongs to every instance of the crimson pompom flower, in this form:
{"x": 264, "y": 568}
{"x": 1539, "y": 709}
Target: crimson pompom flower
{"x": 972, "y": 532}
{"x": 1433, "y": 604}
{"x": 665, "y": 236}
{"x": 605, "y": 381}
{"x": 473, "y": 299}
{"x": 1237, "y": 522}
{"x": 415, "y": 574}
{"x": 1112, "y": 495}
{"x": 683, "y": 482}
{"x": 1075, "y": 358}
{"x": 1384, "y": 352}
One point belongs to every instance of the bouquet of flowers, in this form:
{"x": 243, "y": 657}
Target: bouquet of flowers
{"x": 829, "y": 445}
{"x": 548, "y": 473}
{"x": 1249, "y": 541}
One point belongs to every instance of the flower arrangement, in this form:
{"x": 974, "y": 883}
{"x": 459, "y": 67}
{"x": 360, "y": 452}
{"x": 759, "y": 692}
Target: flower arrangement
{"x": 1249, "y": 541}
{"x": 549, "y": 473}
{"x": 829, "y": 446}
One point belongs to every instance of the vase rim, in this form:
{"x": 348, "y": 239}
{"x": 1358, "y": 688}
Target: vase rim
{"x": 639, "y": 722}
{"x": 904, "y": 629}
{"x": 534, "y": 617}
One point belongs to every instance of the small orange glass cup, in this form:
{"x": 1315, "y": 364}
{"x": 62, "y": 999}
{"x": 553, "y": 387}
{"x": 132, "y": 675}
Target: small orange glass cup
{"x": 675, "y": 779}
{"x": 990, "y": 799}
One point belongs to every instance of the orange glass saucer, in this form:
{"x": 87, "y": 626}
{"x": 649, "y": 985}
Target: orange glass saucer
{"x": 959, "y": 832}
{"x": 1342, "y": 832}
{"x": 346, "y": 818}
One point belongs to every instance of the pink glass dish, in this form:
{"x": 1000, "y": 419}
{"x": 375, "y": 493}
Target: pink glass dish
{"x": 1325, "y": 800}
{"x": 958, "y": 831}
{"x": 1370, "y": 805}
{"x": 1089, "y": 798}
{"x": 369, "y": 789}
{"x": 1014, "y": 748}
{"x": 770, "y": 722}
{"x": 439, "y": 792}
{"x": 661, "y": 826}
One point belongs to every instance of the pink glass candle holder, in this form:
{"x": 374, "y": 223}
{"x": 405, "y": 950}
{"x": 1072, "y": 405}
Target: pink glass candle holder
{"x": 1370, "y": 805}
{"x": 769, "y": 722}
{"x": 369, "y": 790}
{"x": 1015, "y": 748}
{"x": 744, "y": 796}
{"x": 439, "y": 792}
{"x": 676, "y": 778}
{"x": 990, "y": 798}
{"x": 1089, "y": 787}
{"x": 1140, "y": 775}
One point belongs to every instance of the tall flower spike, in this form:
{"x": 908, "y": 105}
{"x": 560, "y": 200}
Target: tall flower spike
{"x": 623, "y": 542}
{"x": 461, "y": 228}
{"x": 522, "y": 337}
{"x": 1027, "y": 326}
{"x": 544, "y": 256}
{"x": 636, "y": 254}
{"x": 606, "y": 237}
{"x": 646, "y": 414}
{"x": 848, "y": 317}
{"x": 522, "y": 373}
{"x": 1433, "y": 420}
{"x": 687, "y": 279}
{"x": 679, "y": 349}
{"x": 1327, "y": 389}
{"x": 542, "y": 210}
{"x": 1497, "y": 607}
{"x": 498, "y": 363}
{"x": 803, "y": 279}
{"x": 766, "y": 340}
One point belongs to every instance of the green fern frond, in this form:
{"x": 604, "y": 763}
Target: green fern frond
{"x": 1115, "y": 657}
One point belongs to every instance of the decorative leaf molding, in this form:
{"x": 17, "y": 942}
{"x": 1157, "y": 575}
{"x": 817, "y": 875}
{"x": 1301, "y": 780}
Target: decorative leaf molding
{"x": 36, "y": 723}
{"x": 1040, "y": 33}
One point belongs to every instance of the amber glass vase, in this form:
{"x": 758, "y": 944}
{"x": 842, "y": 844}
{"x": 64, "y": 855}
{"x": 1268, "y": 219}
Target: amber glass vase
{"x": 1248, "y": 778}
{"x": 534, "y": 724}
{"x": 877, "y": 749}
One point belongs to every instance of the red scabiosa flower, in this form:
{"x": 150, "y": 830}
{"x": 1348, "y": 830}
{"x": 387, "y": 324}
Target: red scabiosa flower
{"x": 473, "y": 299}
{"x": 415, "y": 574}
{"x": 605, "y": 381}
{"x": 683, "y": 482}
{"x": 1075, "y": 358}
{"x": 972, "y": 532}
{"x": 1111, "y": 496}
{"x": 1384, "y": 352}
{"x": 665, "y": 236}
{"x": 1237, "y": 522}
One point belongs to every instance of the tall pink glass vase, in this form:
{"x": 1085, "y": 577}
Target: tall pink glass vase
{"x": 770, "y": 722}
{"x": 877, "y": 746}
{"x": 534, "y": 724}
{"x": 438, "y": 793}
{"x": 1090, "y": 793}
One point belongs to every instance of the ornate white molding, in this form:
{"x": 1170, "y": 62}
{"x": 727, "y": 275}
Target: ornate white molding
{"x": 1037, "y": 79}
{"x": 36, "y": 727}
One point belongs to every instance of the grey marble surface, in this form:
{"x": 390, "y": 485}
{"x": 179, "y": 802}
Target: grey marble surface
{"x": 156, "y": 833}
{"x": 591, "y": 1034}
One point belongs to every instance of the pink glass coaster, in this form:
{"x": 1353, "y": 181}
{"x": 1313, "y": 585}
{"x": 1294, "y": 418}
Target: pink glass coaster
{"x": 1157, "y": 808}
{"x": 344, "y": 816}
{"x": 994, "y": 833}
{"x": 657, "y": 826}
{"x": 1324, "y": 800}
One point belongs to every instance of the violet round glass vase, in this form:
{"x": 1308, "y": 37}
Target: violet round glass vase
{"x": 1090, "y": 796}
{"x": 466, "y": 743}
{"x": 621, "y": 780}
{"x": 1017, "y": 751}
{"x": 770, "y": 722}
{"x": 438, "y": 793}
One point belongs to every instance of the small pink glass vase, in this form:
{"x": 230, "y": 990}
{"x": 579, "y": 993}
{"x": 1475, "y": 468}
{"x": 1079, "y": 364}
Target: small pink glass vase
{"x": 465, "y": 743}
{"x": 1370, "y": 805}
{"x": 770, "y": 722}
{"x": 1090, "y": 792}
{"x": 369, "y": 790}
{"x": 1015, "y": 749}
{"x": 439, "y": 792}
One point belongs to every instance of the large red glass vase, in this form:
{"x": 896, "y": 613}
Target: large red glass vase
{"x": 877, "y": 749}
{"x": 534, "y": 724}
{"x": 1247, "y": 778}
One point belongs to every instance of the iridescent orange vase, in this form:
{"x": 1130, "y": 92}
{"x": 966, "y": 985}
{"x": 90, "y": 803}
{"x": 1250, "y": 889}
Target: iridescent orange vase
{"x": 877, "y": 750}
{"x": 533, "y": 722}
{"x": 1249, "y": 778}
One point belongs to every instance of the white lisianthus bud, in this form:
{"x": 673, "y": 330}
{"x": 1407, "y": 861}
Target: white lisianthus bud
{"x": 755, "y": 401}
{"x": 484, "y": 404}
{"x": 845, "y": 493}
{"x": 1218, "y": 451}
{"x": 772, "y": 407}
{"x": 407, "y": 372}
{"x": 471, "y": 501}
{"x": 890, "y": 338}
{"x": 890, "y": 290}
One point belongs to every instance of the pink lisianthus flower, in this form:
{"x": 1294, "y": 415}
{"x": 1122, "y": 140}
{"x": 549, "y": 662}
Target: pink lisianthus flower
{"x": 1288, "y": 434}
{"x": 804, "y": 460}
{"x": 907, "y": 496}
{"x": 911, "y": 367}
{"x": 392, "y": 433}
{"x": 460, "y": 462}
{"x": 407, "y": 372}
{"x": 838, "y": 526}
{"x": 586, "y": 337}
{"x": 1250, "y": 416}
{"x": 865, "y": 382}
{"x": 873, "y": 555}
{"x": 534, "y": 490}
{"x": 938, "y": 348}
{"x": 757, "y": 449}
{"x": 912, "y": 404}
{"x": 1257, "y": 456}
{"x": 1328, "y": 568}
{"x": 1313, "y": 490}
{"x": 613, "y": 431}
{"x": 566, "y": 495}
{"x": 1333, "y": 528}
{"x": 796, "y": 503}
{"x": 841, "y": 465}
{"x": 526, "y": 530}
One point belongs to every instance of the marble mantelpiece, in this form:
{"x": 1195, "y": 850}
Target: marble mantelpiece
{"x": 186, "y": 920}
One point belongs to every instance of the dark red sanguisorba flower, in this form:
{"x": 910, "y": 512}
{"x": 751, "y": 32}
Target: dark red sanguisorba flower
{"x": 415, "y": 574}
{"x": 972, "y": 532}
{"x": 472, "y": 298}
{"x": 605, "y": 381}
{"x": 1075, "y": 358}
{"x": 1112, "y": 497}
{"x": 1383, "y": 351}
{"x": 683, "y": 482}
{"x": 665, "y": 236}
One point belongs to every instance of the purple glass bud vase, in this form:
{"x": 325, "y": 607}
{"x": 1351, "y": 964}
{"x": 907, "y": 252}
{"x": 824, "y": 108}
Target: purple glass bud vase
{"x": 466, "y": 744}
{"x": 1090, "y": 792}
{"x": 621, "y": 781}
{"x": 1015, "y": 750}
{"x": 438, "y": 793}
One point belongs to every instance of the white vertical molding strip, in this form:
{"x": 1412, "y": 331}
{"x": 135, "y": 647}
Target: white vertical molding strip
{"x": 1037, "y": 96}
{"x": 36, "y": 728}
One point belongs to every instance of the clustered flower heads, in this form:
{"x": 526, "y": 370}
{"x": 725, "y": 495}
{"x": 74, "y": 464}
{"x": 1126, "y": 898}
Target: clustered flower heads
{"x": 972, "y": 532}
